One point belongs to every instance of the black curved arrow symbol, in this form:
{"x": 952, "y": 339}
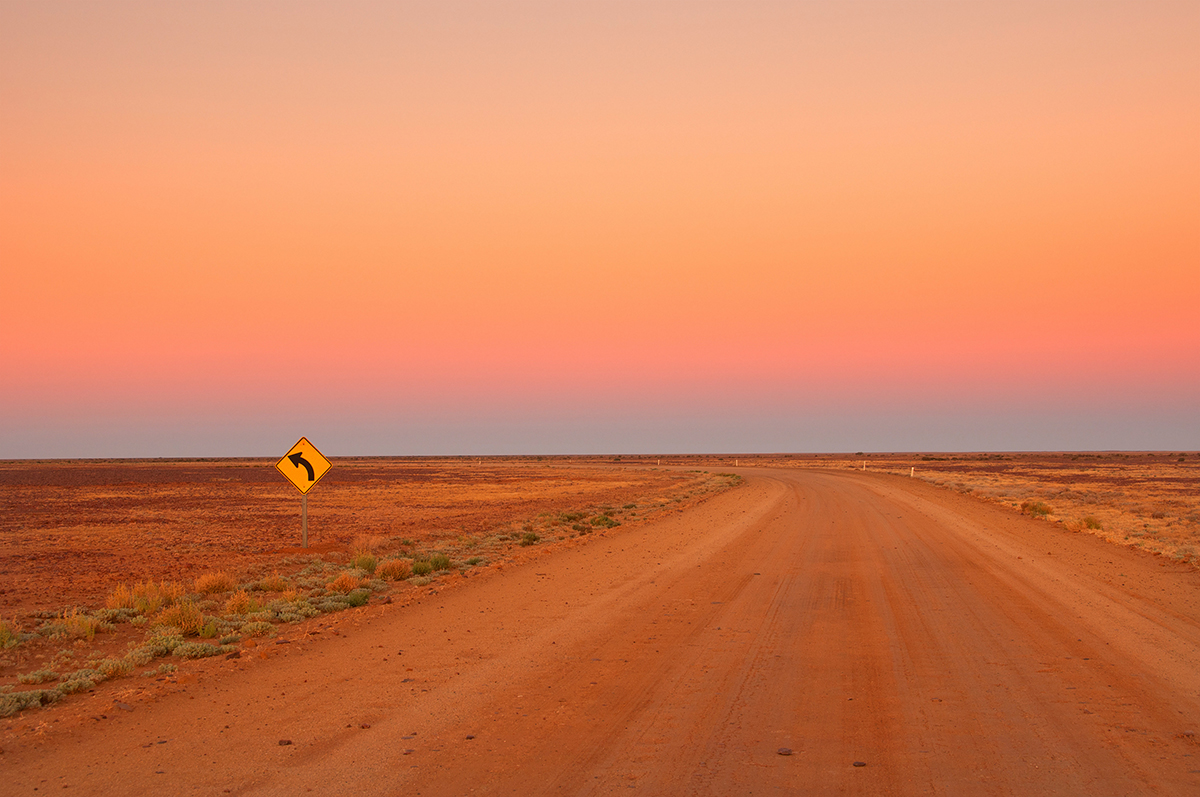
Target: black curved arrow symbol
{"x": 298, "y": 460}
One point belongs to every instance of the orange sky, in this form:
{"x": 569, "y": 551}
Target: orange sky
{"x": 478, "y": 227}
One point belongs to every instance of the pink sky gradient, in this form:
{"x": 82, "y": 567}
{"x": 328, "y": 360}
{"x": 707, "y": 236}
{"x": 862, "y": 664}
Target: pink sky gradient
{"x": 598, "y": 227}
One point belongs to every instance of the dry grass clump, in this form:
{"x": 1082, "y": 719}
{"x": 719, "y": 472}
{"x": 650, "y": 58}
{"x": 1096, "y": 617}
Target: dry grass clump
{"x": 393, "y": 570}
{"x": 211, "y": 583}
{"x": 145, "y": 597}
{"x": 1036, "y": 509}
{"x": 120, "y": 598}
{"x": 274, "y": 583}
{"x": 240, "y": 602}
{"x": 8, "y": 635}
{"x": 184, "y": 615}
{"x": 344, "y": 583}
{"x": 368, "y": 543}
{"x": 75, "y": 624}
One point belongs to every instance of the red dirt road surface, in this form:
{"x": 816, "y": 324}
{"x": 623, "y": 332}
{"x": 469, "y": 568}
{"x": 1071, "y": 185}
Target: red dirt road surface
{"x": 892, "y": 636}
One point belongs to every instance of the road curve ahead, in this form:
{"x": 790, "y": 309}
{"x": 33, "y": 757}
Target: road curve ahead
{"x": 812, "y": 632}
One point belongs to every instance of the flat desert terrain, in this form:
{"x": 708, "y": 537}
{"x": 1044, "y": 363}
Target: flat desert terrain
{"x": 787, "y": 625}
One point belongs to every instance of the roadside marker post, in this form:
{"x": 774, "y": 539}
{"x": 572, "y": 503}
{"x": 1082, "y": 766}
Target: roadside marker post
{"x": 304, "y": 467}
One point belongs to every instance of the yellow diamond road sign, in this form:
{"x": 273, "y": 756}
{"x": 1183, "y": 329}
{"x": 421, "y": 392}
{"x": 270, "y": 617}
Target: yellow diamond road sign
{"x": 304, "y": 465}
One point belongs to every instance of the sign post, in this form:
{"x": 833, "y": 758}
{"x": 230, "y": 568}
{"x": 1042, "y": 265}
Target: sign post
{"x": 305, "y": 467}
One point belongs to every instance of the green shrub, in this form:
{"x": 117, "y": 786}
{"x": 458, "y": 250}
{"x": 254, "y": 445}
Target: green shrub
{"x": 162, "y": 669}
{"x": 529, "y": 538}
{"x": 306, "y": 610}
{"x": 439, "y": 561}
{"x": 81, "y": 681}
{"x": 421, "y": 568}
{"x": 157, "y": 646}
{"x": 604, "y": 521}
{"x": 44, "y": 675}
{"x": 113, "y": 616}
{"x": 115, "y": 668}
{"x": 365, "y": 560}
{"x": 14, "y": 702}
{"x": 201, "y": 650}
{"x": 334, "y": 603}
{"x": 258, "y": 628}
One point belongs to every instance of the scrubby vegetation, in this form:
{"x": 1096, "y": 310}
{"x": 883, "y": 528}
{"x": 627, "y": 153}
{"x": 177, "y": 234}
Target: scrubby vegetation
{"x": 365, "y": 560}
{"x": 8, "y": 636}
{"x": 1036, "y": 509}
{"x": 211, "y": 583}
{"x": 1144, "y": 500}
{"x": 213, "y": 614}
{"x": 393, "y": 570}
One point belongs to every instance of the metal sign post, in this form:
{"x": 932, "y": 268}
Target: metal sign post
{"x": 305, "y": 467}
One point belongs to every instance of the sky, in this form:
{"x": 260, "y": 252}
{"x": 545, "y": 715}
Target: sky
{"x": 598, "y": 227}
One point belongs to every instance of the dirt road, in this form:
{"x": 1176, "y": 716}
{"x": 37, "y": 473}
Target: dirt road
{"x": 895, "y": 637}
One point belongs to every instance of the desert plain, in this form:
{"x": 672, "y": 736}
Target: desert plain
{"x": 872, "y": 624}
